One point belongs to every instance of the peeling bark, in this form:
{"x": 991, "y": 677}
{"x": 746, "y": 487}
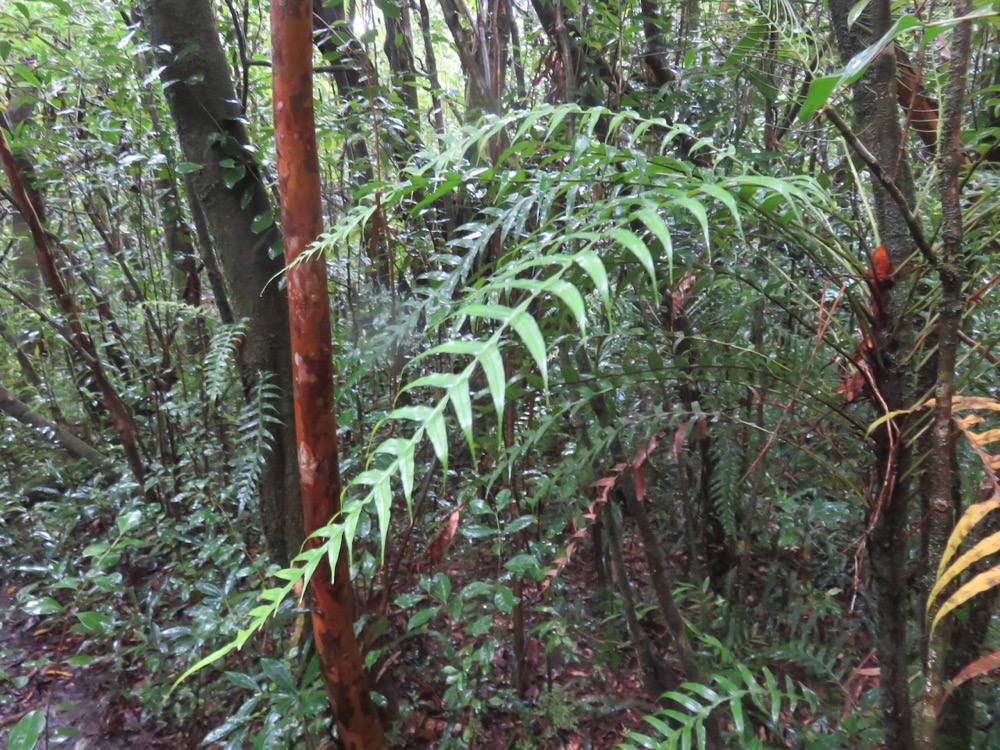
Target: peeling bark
{"x": 333, "y": 602}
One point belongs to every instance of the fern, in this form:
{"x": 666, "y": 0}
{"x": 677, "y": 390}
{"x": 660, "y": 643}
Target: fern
{"x": 560, "y": 246}
{"x": 803, "y": 646}
{"x": 736, "y": 693}
{"x": 254, "y": 426}
{"x": 221, "y": 354}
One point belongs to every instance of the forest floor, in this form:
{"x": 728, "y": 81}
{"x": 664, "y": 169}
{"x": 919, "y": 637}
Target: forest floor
{"x": 85, "y": 707}
{"x": 587, "y": 699}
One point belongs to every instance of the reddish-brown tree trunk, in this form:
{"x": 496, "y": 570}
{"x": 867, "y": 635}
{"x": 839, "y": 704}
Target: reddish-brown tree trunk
{"x": 312, "y": 358}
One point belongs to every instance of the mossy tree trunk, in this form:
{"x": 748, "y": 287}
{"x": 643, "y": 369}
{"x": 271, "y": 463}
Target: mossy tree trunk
{"x": 231, "y": 195}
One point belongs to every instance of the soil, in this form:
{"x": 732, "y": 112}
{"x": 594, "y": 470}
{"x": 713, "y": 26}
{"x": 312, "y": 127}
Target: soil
{"x": 83, "y": 705}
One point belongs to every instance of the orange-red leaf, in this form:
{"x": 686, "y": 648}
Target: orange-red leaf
{"x": 882, "y": 272}
{"x": 981, "y": 666}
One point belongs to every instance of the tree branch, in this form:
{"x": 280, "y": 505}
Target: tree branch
{"x": 916, "y": 231}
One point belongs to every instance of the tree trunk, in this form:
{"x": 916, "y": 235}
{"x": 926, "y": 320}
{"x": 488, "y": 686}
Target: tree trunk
{"x": 15, "y": 407}
{"x": 954, "y": 644}
{"x": 895, "y": 381}
{"x": 309, "y": 310}
{"x": 399, "y": 52}
{"x": 231, "y": 194}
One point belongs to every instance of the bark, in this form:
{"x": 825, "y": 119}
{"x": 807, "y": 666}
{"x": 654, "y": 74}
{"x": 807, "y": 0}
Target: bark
{"x": 656, "y": 678}
{"x": 309, "y": 311}
{"x": 517, "y": 55}
{"x": 353, "y": 73}
{"x": 24, "y": 264}
{"x": 61, "y": 436}
{"x": 399, "y": 51}
{"x": 875, "y": 109}
{"x": 430, "y": 61}
{"x": 207, "y": 115}
{"x": 586, "y": 68}
{"x": 208, "y": 257}
{"x": 953, "y": 729}
{"x": 470, "y": 45}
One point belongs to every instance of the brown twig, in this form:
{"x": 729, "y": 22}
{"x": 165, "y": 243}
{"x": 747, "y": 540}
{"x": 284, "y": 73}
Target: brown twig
{"x": 916, "y": 231}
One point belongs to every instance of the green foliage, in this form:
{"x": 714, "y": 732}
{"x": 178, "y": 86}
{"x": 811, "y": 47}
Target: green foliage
{"x": 666, "y": 290}
{"x": 220, "y": 359}
{"x": 556, "y": 247}
{"x": 748, "y": 700}
{"x": 24, "y": 735}
{"x": 253, "y": 426}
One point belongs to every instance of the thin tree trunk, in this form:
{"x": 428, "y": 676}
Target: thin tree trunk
{"x": 399, "y": 51}
{"x": 316, "y": 425}
{"x": 437, "y": 115}
{"x": 655, "y": 677}
{"x": 953, "y": 729}
{"x": 121, "y": 416}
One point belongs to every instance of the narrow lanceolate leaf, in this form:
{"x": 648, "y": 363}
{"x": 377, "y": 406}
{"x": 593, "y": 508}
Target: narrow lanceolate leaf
{"x": 494, "y": 312}
{"x": 415, "y": 413}
{"x": 697, "y": 210}
{"x": 594, "y": 268}
{"x": 634, "y": 244}
{"x": 981, "y": 666}
{"x": 403, "y": 450}
{"x": 659, "y": 229}
{"x": 571, "y": 297}
{"x": 437, "y": 433}
{"x": 983, "y": 548}
{"x": 982, "y": 439}
{"x": 461, "y": 402}
{"x": 383, "y": 506}
{"x": 557, "y": 287}
{"x": 726, "y": 199}
{"x": 961, "y": 403}
{"x": 979, "y": 584}
{"x": 492, "y": 363}
{"x": 534, "y": 342}
{"x": 973, "y": 515}
{"x": 406, "y": 461}
{"x": 472, "y": 348}
{"x": 446, "y": 380}
{"x": 736, "y": 708}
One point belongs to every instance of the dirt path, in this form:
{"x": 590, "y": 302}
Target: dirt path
{"x": 83, "y": 706}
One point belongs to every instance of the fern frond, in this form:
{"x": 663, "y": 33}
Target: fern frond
{"x": 733, "y": 692}
{"x": 220, "y": 356}
{"x": 254, "y": 425}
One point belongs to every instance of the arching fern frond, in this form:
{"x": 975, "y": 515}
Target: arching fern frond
{"x": 618, "y": 206}
{"x": 748, "y": 700}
